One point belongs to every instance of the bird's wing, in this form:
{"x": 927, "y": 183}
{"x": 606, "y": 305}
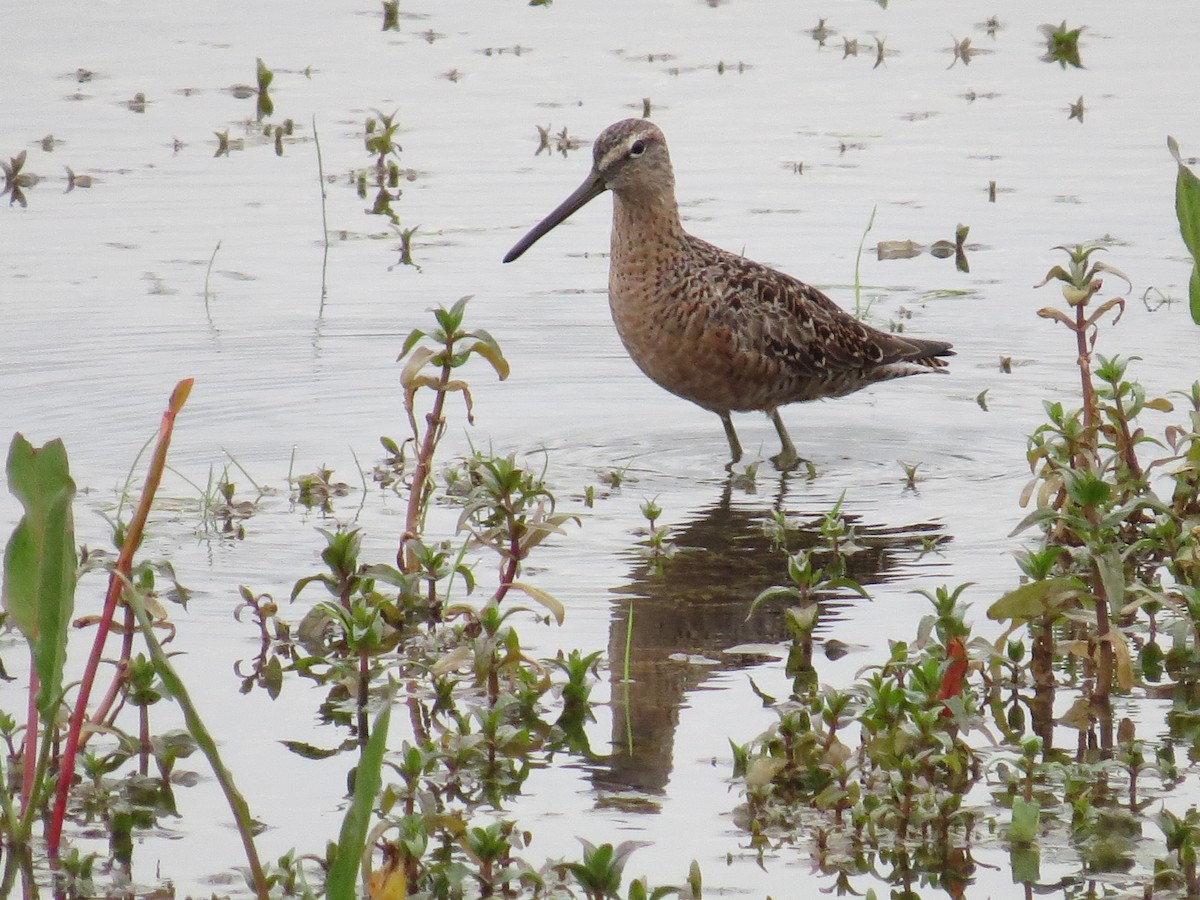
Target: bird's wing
{"x": 780, "y": 317}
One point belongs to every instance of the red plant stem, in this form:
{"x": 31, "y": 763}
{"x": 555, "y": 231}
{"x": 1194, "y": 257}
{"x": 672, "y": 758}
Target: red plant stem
{"x": 1126, "y": 448}
{"x": 416, "y": 495}
{"x": 1085, "y": 376}
{"x": 364, "y": 694}
{"x": 1091, "y": 424}
{"x": 116, "y": 584}
{"x": 513, "y": 563}
{"x": 32, "y": 729}
{"x": 107, "y": 709}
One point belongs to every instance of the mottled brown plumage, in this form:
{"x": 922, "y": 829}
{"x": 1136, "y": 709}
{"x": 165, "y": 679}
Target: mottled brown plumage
{"x": 713, "y": 327}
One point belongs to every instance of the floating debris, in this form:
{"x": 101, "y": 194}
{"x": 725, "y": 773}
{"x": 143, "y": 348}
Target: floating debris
{"x": 77, "y": 181}
{"x": 991, "y": 26}
{"x": 963, "y": 50}
{"x": 820, "y": 33}
{"x": 880, "y": 52}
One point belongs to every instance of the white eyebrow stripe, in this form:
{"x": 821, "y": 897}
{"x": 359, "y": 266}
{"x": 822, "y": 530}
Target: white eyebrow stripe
{"x": 614, "y": 154}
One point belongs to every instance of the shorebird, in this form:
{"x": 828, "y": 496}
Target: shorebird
{"x": 710, "y": 326}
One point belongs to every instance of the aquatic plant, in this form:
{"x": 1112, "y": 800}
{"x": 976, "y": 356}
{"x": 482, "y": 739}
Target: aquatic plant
{"x": 384, "y": 175}
{"x": 1187, "y": 210}
{"x": 16, "y": 180}
{"x": 883, "y": 772}
{"x": 1062, "y": 45}
{"x": 391, "y": 15}
{"x": 264, "y": 106}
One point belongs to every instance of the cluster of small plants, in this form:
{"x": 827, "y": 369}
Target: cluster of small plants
{"x": 420, "y": 632}
{"x": 259, "y": 130}
{"x": 955, "y": 741}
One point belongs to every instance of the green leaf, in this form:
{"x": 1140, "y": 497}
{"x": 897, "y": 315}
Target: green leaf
{"x": 772, "y": 593}
{"x": 310, "y": 751}
{"x": 545, "y": 599}
{"x": 1187, "y": 210}
{"x": 1026, "y": 818}
{"x": 409, "y": 342}
{"x": 1087, "y": 489}
{"x": 491, "y": 352}
{"x": 1194, "y": 294}
{"x": 412, "y": 368}
{"x": 1025, "y": 864}
{"x": 343, "y": 873}
{"x": 264, "y": 75}
{"x": 1035, "y": 599}
{"x": 40, "y": 561}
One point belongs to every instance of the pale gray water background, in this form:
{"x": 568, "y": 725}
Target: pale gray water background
{"x": 102, "y": 297}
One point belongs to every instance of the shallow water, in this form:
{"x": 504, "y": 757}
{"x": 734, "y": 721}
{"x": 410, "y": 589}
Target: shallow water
{"x": 103, "y": 294}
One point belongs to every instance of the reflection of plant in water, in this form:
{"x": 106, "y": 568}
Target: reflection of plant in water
{"x": 391, "y": 15}
{"x": 15, "y": 180}
{"x": 385, "y": 174}
{"x": 317, "y": 489}
{"x": 658, "y": 548}
{"x": 264, "y": 105}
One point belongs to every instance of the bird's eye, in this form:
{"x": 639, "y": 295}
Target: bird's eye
{"x": 636, "y": 149}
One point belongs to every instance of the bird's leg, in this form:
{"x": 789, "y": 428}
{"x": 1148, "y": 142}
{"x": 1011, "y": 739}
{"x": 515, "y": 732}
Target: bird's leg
{"x": 787, "y": 457}
{"x": 735, "y": 448}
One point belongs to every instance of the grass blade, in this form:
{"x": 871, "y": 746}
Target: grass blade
{"x": 1187, "y": 209}
{"x": 204, "y": 740}
{"x": 343, "y": 874}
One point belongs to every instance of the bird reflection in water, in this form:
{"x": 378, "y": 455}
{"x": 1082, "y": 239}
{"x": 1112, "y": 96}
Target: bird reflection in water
{"x": 695, "y": 605}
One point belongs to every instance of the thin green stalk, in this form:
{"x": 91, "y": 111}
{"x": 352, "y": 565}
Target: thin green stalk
{"x": 625, "y": 676}
{"x": 245, "y": 474}
{"x": 858, "y": 310}
{"x": 324, "y": 219}
{"x": 31, "y": 733}
{"x": 7, "y": 811}
{"x": 37, "y": 798}
{"x": 204, "y": 740}
{"x": 362, "y": 476}
{"x": 207, "y": 273}
{"x": 352, "y": 840}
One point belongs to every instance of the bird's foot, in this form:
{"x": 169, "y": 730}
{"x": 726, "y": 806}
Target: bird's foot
{"x": 787, "y": 460}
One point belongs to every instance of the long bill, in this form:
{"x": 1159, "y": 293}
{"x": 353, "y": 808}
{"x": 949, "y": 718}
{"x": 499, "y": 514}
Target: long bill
{"x": 592, "y": 187}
